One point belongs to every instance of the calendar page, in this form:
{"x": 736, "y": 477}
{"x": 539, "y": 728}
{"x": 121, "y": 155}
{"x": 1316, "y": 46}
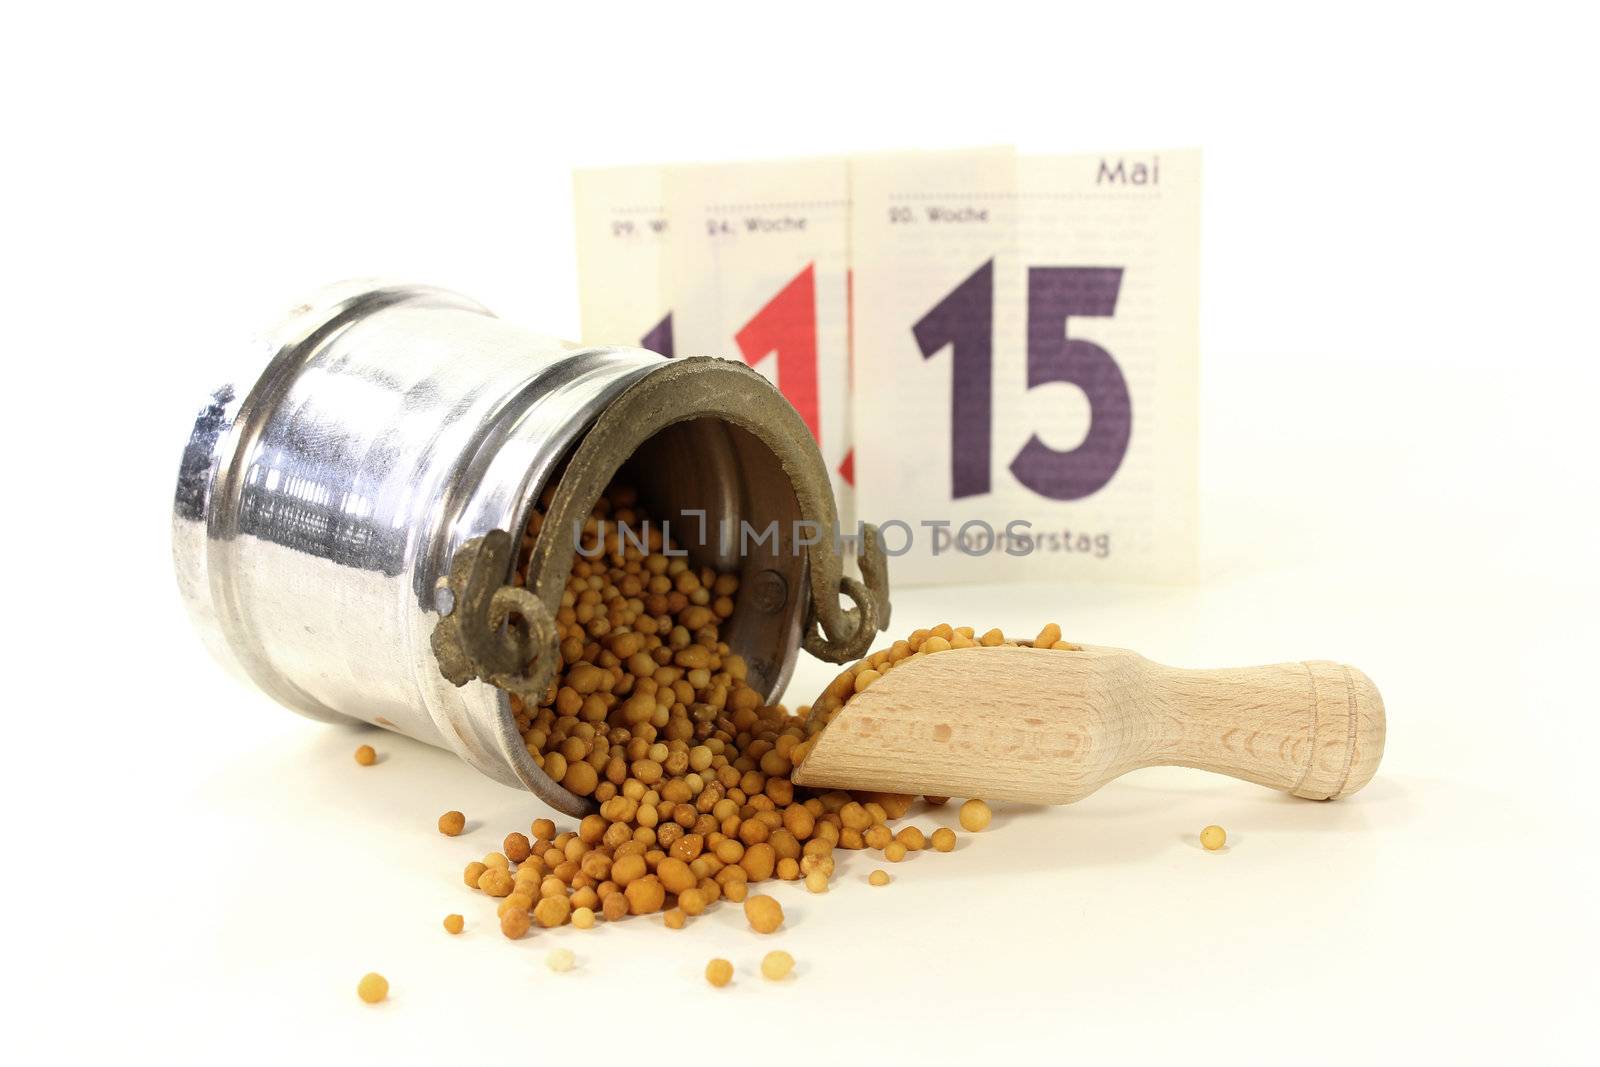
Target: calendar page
{"x": 758, "y": 269}
{"x": 1026, "y": 364}
{"x": 622, "y": 233}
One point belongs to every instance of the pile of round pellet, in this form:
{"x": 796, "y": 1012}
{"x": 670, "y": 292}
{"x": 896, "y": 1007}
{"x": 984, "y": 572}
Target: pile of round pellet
{"x": 650, "y": 714}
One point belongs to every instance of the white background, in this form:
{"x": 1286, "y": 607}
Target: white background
{"x": 1398, "y": 439}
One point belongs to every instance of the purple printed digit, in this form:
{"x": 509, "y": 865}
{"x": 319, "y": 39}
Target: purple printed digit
{"x": 964, "y": 321}
{"x": 659, "y": 339}
{"x": 1055, "y": 294}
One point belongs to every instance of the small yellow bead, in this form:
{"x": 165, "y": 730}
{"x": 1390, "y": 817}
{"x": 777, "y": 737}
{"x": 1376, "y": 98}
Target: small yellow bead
{"x": 1213, "y": 837}
{"x": 975, "y": 816}
{"x": 878, "y": 878}
{"x": 373, "y": 988}
{"x": 775, "y": 966}
{"x": 560, "y": 960}
{"x": 719, "y": 972}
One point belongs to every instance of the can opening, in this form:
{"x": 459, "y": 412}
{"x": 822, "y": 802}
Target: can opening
{"x": 711, "y": 452}
{"x": 732, "y": 508}
{"x": 721, "y": 496}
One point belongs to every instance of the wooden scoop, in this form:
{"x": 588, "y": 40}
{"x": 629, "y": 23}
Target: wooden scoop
{"x": 1052, "y": 726}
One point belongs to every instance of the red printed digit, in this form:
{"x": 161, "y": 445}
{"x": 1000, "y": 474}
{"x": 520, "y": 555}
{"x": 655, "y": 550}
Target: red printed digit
{"x": 787, "y": 326}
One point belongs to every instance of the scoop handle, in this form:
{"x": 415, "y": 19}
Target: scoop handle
{"x": 1314, "y": 729}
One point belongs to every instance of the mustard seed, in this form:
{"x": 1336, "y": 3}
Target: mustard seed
{"x": 366, "y": 756}
{"x": 815, "y": 862}
{"x": 674, "y": 918}
{"x": 763, "y": 913}
{"x": 913, "y": 838}
{"x": 1213, "y": 837}
{"x": 644, "y": 896}
{"x": 758, "y": 861}
{"x": 372, "y": 988}
{"x": 453, "y": 923}
{"x": 975, "y": 816}
{"x": 552, "y": 911}
{"x": 515, "y": 902}
{"x": 515, "y": 923}
{"x": 451, "y": 823}
{"x": 776, "y": 965}
{"x": 625, "y": 869}
{"x": 894, "y": 852}
{"x": 855, "y": 817}
{"x": 719, "y": 972}
{"x": 817, "y": 881}
{"x": 516, "y": 847}
{"x": 943, "y": 839}
{"x": 878, "y": 877}
{"x": 894, "y": 805}
{"x": 675, "y": 875}
{"x": 560, "y": 960}
{"x": 496, "y": 882}
{"x": 473, "y": 872}
{"x": 583, "y": 918}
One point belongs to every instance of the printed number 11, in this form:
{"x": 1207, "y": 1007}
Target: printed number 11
{"x": 964, "y": 321}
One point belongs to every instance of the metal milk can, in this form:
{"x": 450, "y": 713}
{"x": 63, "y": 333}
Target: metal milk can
{"x": 349, "y": 508}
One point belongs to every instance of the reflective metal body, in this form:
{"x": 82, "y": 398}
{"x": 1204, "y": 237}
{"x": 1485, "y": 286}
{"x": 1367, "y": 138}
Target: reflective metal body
{"x": 323, "y": 493}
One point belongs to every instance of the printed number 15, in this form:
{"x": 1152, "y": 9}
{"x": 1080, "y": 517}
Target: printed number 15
{"x": 964, "y": 321}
